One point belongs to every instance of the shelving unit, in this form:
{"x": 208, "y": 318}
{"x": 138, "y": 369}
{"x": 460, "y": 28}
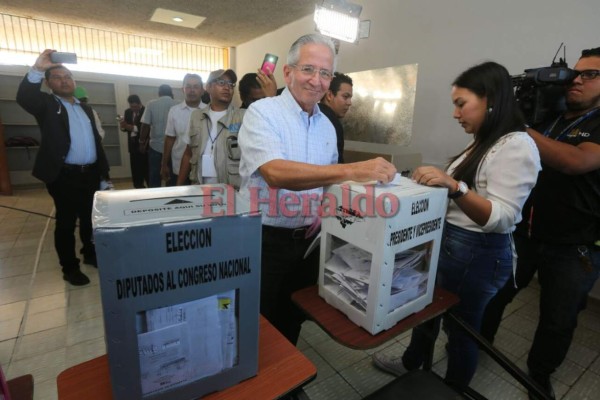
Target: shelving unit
{"x": 18, "y": 122}
{"x": 107, "y": 95}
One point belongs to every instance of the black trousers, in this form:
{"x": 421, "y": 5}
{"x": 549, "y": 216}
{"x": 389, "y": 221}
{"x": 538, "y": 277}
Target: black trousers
{"x": 139, "y": 169}
{"x": 526, "y": 269}
{"x": 73, "y": 194}
{"x": 284, "y": 270}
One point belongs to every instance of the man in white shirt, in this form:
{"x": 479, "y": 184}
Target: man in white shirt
{"x": 289, "y": 152}
{"x": 212, "y": 154}
{"x": 177, "y": 124}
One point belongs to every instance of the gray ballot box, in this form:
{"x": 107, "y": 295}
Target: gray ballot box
{"x": 180, "y": 281}
{"x": 379, "y": 250}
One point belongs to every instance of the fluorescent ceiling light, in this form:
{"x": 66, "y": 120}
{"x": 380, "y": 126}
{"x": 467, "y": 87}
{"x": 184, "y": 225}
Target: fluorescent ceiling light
{"x": 176, "y": 18}
{"x": 338, "y": 19}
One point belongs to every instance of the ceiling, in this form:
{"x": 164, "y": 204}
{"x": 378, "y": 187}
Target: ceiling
{"x": 228, "y": 22}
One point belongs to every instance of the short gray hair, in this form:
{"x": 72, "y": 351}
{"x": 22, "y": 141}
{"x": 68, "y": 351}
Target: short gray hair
{"x": 192, "y": 76}
{"x": 294, "y": 54}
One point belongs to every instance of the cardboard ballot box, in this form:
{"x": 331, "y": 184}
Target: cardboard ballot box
{"x": 379, "y": 250}
{"x": 179, "y": 277}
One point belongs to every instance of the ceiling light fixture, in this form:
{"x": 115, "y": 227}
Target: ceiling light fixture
{"x": 338, "y": 19}
{"x": 176, "y": 18}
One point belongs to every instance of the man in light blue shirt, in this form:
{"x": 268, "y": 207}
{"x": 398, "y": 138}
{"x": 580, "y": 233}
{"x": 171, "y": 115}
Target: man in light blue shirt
{"x": 154, "y": 122}
{"x": 70, "y": 159}
{"x": 289, "y": 152}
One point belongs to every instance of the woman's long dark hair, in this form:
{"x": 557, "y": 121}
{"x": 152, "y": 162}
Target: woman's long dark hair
{"x": 489, "y": 80}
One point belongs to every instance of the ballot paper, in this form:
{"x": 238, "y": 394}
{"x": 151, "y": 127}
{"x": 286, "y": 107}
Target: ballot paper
{"x": 188, "y": 341}
{"x": 228, "y": 324}
{"x": 349, "y": 269}
{"x": 164, "y": 358}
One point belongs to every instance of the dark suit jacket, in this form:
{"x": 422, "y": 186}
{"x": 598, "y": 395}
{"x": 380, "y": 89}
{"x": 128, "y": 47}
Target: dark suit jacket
{"x": 53, "y": 121}
{"x": 133, "y": 142}
{"x": 339, "y": 129}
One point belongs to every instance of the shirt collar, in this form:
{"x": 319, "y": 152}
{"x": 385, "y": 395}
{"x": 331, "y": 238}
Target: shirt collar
{"x": 293, "y": 104}
{"x": 183, "y": 105}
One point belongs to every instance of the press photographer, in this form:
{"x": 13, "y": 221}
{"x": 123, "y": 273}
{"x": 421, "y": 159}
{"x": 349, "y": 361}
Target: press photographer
{"x": 564, "y": 230}
{"x": 540, "y": 92}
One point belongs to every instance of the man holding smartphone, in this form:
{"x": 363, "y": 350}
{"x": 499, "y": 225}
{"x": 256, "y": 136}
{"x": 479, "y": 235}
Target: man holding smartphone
{"x": 70, "y": 160}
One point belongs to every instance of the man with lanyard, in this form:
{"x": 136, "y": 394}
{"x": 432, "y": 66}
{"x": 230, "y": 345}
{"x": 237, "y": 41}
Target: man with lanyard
{"x": 211, "y": 154}
{"x": 289, "y": 152}
{"x": 70, "y": 160}
{"x": 565, "y": 224}
{"x": 177, "y": 125}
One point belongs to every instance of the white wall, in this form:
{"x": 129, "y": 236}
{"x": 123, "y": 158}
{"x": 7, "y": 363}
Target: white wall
{"x": 445, "y": 38}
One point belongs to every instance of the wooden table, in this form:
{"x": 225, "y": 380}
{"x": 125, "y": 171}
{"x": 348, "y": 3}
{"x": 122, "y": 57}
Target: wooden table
{"x": 337, "y": 325}
{"x": 281, "y": 369}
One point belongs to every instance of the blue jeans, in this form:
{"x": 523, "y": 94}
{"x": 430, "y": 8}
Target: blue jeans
{"x": 154, "y": 163}
{"x": 566, "y": 274}
{"x": 474, "y": 266}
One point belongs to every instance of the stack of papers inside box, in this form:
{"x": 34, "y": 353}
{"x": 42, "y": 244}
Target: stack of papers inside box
{"x": 349, "y": 268}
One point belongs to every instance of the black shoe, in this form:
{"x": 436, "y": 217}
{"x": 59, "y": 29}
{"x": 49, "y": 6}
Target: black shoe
{"x": 90, "y": 260}
{"x": 76, "y": 278}
{"x": 544, "y": 381}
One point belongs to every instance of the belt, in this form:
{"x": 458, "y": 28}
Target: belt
{"x": 79, "y": 168}
{"x": 294, "y": 233}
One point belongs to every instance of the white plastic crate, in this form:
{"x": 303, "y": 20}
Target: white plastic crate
{"x": 378, "y": 225}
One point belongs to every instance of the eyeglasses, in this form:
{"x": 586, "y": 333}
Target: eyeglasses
{"x": 223, "y": 82}
{"x": 588, "y": 74}
{"x": 309, "y": 70}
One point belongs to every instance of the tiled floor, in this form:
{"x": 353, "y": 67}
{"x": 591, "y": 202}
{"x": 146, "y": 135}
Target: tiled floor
{"x": 46, "y": 325}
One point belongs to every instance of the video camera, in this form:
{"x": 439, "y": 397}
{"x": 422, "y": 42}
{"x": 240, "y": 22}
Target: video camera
{"x": 540, "y": 91}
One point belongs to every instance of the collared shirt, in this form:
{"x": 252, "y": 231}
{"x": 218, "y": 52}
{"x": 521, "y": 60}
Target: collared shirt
{"x": 82, "y": 149}
{"x": 505, "y": 178}
{"x": 178, "y": 121}
{"x": 277, "y": 128}
{"x": 155, "y": 115}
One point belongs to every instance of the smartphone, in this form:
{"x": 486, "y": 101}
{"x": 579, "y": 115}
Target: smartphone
{"x": 63, "y": 58}
{"x": 269, "y": 63}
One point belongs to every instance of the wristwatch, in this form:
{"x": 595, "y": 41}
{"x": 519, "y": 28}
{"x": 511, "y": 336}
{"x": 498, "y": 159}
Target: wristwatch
{"x": 461, "y": 190}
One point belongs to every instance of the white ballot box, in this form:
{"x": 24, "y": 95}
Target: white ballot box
{"x": 180, "y": 281}
{"x": 379, "y": 250}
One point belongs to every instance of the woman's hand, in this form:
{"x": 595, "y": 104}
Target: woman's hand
{"x": 432, "y": 176}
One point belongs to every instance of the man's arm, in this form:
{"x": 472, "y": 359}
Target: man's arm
{"x": 184, "y": 168}
{"x": 566, "y": 158}
{"x": 166, "y": 157}
{"x": 29, "y": 95}
{"x": 144, "y": 135}
{"x": 294, "y": 175}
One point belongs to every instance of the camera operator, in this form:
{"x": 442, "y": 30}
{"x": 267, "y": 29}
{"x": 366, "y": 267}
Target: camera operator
{"x": 565, "y": 224}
